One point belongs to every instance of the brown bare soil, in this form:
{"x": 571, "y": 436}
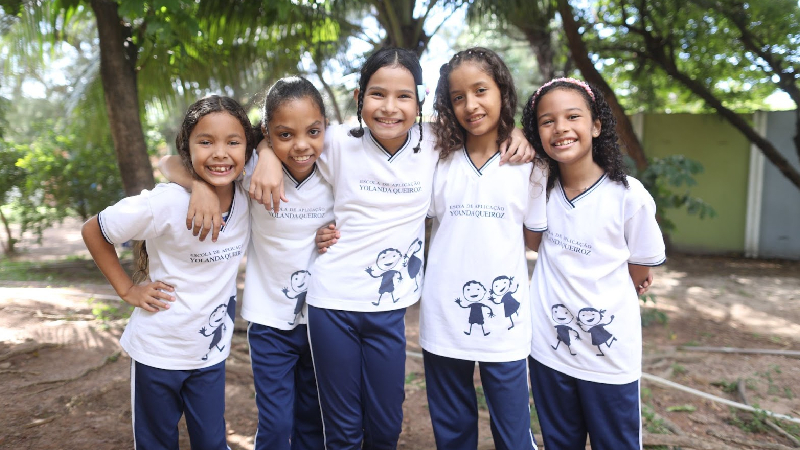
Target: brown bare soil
{"x": 64, "y": 380}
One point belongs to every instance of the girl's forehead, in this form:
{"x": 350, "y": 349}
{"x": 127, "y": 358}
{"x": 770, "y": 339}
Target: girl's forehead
{"x": 392, "y": 76}
{"x": 561, "y": 98}
{"x": 304, "y": 107}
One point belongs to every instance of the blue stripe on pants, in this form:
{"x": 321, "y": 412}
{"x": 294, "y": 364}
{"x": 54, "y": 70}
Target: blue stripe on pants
{"x": 161, "y": 396}
{"x": 454, "y": 409}
{"x": 570, "y": 408}
{"x": 359, "y": 360}
{"x": 286, "y": 389}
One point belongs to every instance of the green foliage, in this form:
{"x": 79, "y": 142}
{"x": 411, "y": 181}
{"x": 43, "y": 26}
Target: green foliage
{"x": 637, "y": 41}
{"x": 107, "y": 313}
{"x": 669, "y": 181}
{"x": 728, "y": 387}
{"x": 751, "y": 422}
{"x": 678, "y": 369}
{"x": 54, "y": 175}
{"x": 650, "y": 316}
{"x": 481, "y": 398}
{"x": 67, "y": 174}
{"x": 682, "y": 408}
{"x": 652, "y": 423}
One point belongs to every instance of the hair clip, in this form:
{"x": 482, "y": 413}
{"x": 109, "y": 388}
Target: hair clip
{"x": 580, "y": 83}
{"x": 422, "y": 91}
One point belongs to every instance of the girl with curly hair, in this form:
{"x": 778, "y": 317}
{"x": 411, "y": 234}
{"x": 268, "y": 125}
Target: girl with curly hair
{"x": 479, "y": 209}
{"x": 602, "y": 238}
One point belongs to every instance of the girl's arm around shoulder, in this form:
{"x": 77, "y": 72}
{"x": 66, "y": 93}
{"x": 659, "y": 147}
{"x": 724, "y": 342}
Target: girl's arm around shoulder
{"x": 266, "y": 184}
{"x": 533, "y": 239}
{"x": 516, "y": 149}
{"x": 150, "y": 296}
{"x": 204, "y": 213}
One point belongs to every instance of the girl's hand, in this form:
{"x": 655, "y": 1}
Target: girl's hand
{"x": 266, "y": 184}
{"x": 516, "y": 149}
{"x": 645, "y": 286}
{"x": 327, "y": 236}
{"x": 204, "y": 214}
{"x": 150, "y": 297}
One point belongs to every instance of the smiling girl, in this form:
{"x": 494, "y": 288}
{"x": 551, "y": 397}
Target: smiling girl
{"x": 601, "y": 241}
{"x": 479, "y": 212}
{"x": 280, "y": 254}
{"x": 184, "y": 291}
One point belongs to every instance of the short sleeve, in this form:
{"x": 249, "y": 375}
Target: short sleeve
{"x": 134, "y": 218}
{"x": 642, "y": 233}
{"x": 536, "y": 212}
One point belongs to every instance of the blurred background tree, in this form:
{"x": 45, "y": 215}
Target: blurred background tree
{"x": 95, "y": 89}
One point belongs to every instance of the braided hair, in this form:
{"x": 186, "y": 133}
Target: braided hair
{"x": 389, "y": 57}
{"x": 605, "y": 147}
{"x": 450, "y": 135}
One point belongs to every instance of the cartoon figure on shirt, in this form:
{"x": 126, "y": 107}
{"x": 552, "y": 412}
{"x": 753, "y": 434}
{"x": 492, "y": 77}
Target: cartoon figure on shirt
{"x": 299, "y": 282}
{"x": 501, "y": 287}
{"x": 590, "y": 320}
{"x": 217, "y": 323}
{"x": 412, "y": 261}
{"x": 562, "y": 317}
{"x": 474, "y": 292}
{"x": 385, "y": 262}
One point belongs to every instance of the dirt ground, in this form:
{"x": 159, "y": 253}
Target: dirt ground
{"x": 64, "y": 380}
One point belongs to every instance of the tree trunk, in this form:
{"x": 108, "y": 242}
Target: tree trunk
{"x": 118, "y": 74}
{"x": 542, "y": 45}
{"x": 580, "y": 55}
{"x": 8, "y": 246}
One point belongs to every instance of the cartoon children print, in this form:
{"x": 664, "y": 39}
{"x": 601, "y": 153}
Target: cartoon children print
{"x": 216, "y": 321}
{"x": 385, "y": 262}
{"x": 299, "y": 283}
{"x": 563, "y": 317}
{"x": 474, "y": 292}
{"x": 501, "y": 288}
{"x": 591, "y": 321}
{"x": 413, "y": 263}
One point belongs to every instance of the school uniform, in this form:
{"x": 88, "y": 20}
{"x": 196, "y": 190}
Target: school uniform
{"x": 178, "y": 355}
{"x": 587, "y": 341}
{"x": 362, "y": 285}
{"x": 281, "y": 251}
{"x": 476, "y": 305}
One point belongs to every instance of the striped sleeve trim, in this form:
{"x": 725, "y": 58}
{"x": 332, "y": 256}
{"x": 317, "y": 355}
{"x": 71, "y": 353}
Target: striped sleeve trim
{"x": 649, "y": 264}
{"x": 537, "y": 229}
{"x": 103, "y": 229}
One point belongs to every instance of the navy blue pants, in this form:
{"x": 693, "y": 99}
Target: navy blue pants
{"x": 453, "y": 404}
{"x": 161, "y": 396}
{"x": 570, "y": 408}
{"x": 359, "y": 360}
{"x": 286, "y": 389}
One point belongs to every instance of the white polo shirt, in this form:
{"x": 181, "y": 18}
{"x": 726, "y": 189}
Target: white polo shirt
{"x": 282, "y": 250}
{"x": 582, "y": 296}
{"x": 380, "y": 206}
{"x": 196, "y": 330}
{"x": 477, "y": 276}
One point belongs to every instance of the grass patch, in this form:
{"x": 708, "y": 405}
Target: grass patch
{"x": 68, "y": 271}
{"x": 682, "y": 408}
{"x": 726, "y": 386}
{"x": 481, "y": 398}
